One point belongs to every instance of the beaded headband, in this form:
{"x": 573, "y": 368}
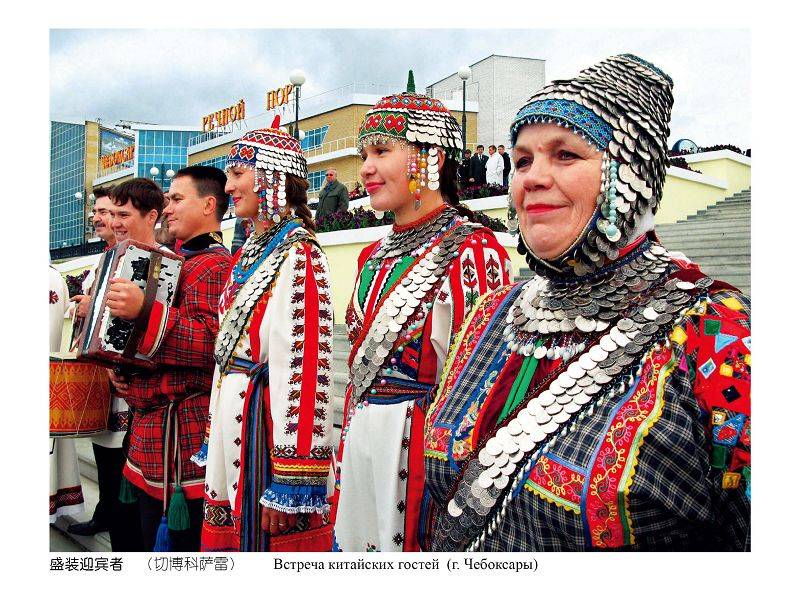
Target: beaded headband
{"x": 412, "y": 118}
{"x": 272, "y": 153}
{"x": 621, "y": 106}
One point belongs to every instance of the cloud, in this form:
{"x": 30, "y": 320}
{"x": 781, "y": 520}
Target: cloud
{"x": 176, "y": 76}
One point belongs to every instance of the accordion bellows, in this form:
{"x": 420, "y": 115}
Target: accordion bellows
{"x": 112, "y": 340}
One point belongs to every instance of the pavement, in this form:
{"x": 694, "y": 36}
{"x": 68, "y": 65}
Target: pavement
{"x": 61, "y": 543}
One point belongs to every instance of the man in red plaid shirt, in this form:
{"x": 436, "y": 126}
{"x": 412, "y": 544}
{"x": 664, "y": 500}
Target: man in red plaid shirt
{"x": 172, "y": 402}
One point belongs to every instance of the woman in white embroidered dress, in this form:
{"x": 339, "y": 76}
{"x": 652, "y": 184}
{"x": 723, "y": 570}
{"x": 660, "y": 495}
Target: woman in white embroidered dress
{"x": 269, "y": 451}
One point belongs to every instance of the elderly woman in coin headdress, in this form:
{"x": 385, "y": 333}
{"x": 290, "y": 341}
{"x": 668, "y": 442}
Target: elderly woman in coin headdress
{"x": 412, "y": 291}
{"x": 605, "y": 403}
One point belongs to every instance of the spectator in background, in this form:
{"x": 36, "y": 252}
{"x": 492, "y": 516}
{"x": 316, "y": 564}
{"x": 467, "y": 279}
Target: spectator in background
{"x": 463, "y": 169}
{"x": 501, "y": 150}
{"x": 494, "y": 167}
{"x": 477, "y": 167}
{"x": 333, "y": 197}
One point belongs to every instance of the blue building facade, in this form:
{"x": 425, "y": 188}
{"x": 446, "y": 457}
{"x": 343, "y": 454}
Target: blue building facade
{"x": 67, "y": 167}
{"x": 163, "y": 149}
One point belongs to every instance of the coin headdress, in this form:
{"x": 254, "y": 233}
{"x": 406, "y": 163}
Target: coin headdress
{"x": 272, "y": 153}
{"x": 423, "y": 122}
{"x": 621, "y": 106}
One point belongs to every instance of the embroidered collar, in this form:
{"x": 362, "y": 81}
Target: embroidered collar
{"x": 417, "y": 236}
{"x": 259, "y": 246}
{"x": 421, "y": 221}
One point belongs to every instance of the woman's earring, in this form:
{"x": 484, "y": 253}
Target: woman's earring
{"x": 414, "y": 178}
{"x": 433, "y": 169}
{"x": 260, "y": 188}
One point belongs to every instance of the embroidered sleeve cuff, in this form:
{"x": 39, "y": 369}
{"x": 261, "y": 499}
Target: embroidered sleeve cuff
{"x": 296, "y": 499}
{"x": 156, "y": 328}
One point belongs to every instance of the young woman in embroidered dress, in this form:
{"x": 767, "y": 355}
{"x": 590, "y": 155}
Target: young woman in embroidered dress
{"x": 604, "y": 404}
{"x": 413, "y": 289}
{"x": 269, "y": 453}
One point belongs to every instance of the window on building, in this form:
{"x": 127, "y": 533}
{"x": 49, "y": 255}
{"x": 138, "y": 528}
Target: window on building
{"x": 314, "y": 138}
{"x": 316, "y": 179}
{"x": 164, "y": 150}
{"x": 67, "y": 158}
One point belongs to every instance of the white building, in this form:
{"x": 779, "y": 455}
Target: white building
{"x": 500, "y": 85}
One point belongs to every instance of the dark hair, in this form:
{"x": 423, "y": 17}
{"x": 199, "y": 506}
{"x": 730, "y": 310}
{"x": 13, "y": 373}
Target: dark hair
{"x": 448, "y": 186}
{"x": 102, "y": 190}
{"x": 492, "y": 147}
{"x": 144, "y": 194}
{"x": 209, "y": 181}
{"x": 467, "y": 151}
{"x": 479, "y": 146}
{"x": 297, "y": 198}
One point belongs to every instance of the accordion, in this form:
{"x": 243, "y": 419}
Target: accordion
{"x": 114, "y": 341}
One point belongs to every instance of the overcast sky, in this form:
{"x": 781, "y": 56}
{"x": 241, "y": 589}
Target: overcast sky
{"x": 176, "y": 76}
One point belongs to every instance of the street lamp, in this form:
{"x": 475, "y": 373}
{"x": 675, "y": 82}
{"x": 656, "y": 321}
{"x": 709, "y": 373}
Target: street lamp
{"x": 154, "y": 172}
{"x": 297, "y": 78}
{"x": 464, "y": 73}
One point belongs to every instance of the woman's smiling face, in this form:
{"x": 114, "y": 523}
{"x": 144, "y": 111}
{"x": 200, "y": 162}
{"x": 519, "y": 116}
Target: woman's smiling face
{"x": 384, "y": 175}
{"x": 555, "y": 187}
{"x": 240, "y": 186}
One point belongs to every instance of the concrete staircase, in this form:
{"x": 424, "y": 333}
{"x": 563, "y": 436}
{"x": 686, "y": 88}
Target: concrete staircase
{"x": 341, "y": 351}
{"x": 717, "y": 238}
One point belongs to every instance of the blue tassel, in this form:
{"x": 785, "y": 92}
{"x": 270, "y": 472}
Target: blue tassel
{"x": 163, "y": 540}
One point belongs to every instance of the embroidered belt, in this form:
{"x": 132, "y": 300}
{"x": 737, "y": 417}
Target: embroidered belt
{"x": 254, "y": 474}
{"x": 256, "y": 371}
{"x": 392, "y": 390}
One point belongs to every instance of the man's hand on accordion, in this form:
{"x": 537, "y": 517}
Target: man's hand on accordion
{"x": 82, "y": 306}
{"x": 124, "y": 299}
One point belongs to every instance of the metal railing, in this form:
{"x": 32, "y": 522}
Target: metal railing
{"x": 83, "y": 249}
{"x": 236, "y": 126}
{"x": 332, "y": 146}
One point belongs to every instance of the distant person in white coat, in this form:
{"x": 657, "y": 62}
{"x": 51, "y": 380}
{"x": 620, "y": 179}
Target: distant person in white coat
{"x": 494, "y": 167}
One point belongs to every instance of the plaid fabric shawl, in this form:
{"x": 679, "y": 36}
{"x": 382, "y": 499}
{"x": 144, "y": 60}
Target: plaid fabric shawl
{"x": 675, "y": 499}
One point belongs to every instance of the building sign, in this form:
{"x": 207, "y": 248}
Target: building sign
{"x": 224, "y": 117}
{"x": 117, "y": 158}
{"x": 115, "y": 149}
{"x": 279, "y": 97}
